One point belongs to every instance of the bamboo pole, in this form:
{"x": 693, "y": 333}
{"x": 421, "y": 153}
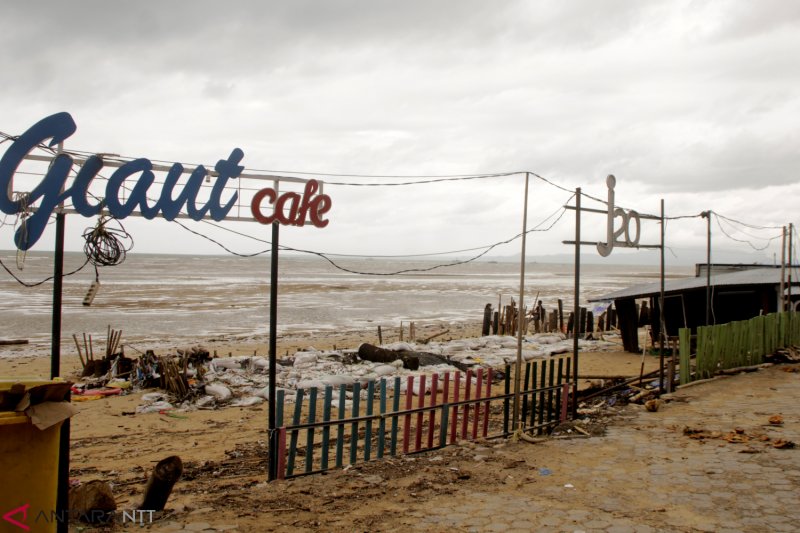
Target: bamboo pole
{"x": 78, "y": 346}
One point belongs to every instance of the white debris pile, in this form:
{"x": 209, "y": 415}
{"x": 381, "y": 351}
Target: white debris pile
{"x": 244, "y": 381}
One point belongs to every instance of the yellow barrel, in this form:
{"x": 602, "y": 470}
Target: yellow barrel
{"x": 29, "y": 467}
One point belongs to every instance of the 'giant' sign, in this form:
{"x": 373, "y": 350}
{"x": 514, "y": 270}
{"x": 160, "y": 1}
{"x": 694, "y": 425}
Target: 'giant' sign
{"x": 52, "y": 190}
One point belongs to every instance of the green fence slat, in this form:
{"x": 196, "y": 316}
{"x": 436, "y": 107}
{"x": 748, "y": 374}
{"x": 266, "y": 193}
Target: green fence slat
{"x": 443, "y": 427}
{"x": 524, "y": 414}
{"x": 354, "y": 425}
{"x": 541, "y": 406}
{"x": 326, "y": 430}
{"x": 506, "y": 404}
{"x": 279, "y": 405}
{"x": 559, "y": 375}
{"x": 551, "y": 410}
{"x": 382, "y": 421}
{"x": 312, "y": 414}
{"x": 534, "y": 403}
{"x": 298, "y": 407}
{"x": 368, "y": 429}
{"x": 395, "y": 409}
{"x": 340, "y": 427}
{"x": 685, "y": 354}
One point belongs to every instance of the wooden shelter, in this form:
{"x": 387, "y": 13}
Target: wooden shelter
{"x": 737, "y": 292}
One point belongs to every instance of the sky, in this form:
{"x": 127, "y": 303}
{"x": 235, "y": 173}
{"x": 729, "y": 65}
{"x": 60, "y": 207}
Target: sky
{"x": 695, "y": 102}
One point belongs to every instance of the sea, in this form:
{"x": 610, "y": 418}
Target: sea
{"x": 182, "y": 299}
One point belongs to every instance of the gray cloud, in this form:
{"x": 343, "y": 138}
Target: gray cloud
{"x": 689, "y": 97}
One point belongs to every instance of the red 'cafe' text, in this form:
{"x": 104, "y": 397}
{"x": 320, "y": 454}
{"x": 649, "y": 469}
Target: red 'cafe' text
{"x": 310, "y": 204}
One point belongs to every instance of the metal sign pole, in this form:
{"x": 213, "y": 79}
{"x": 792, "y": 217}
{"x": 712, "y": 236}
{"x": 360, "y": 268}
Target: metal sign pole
{"x": 662, "y": 320}
{"x": 273, "y": 360}
{"x": 520, "y": 315}
{"x": 576, "y": 319}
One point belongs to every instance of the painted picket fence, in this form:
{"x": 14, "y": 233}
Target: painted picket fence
{"x": 736, "y": 344}
{"x": 417, "y": 413}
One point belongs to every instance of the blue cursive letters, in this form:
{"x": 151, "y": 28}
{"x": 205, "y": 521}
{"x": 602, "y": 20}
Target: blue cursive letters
{"x": 52, "y": 189}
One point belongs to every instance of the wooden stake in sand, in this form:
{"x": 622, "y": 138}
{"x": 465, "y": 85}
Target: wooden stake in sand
{"x": 166, "y": 473}
{"x": 78, "y": 346}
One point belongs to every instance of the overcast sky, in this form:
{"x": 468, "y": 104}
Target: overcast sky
{"x": 695, "y": 102}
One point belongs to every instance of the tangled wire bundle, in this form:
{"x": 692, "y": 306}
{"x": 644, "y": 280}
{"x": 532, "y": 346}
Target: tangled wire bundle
{"x": 106, "y": 246}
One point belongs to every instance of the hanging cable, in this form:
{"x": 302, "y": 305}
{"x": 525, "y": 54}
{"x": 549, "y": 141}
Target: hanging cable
{"x": 749, "y": 243}
{"x": 37, "y": 283}
{"x": 105, "y": 246}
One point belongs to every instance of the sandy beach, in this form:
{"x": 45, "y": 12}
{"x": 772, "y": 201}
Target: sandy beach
{"x": 111, "y": 443}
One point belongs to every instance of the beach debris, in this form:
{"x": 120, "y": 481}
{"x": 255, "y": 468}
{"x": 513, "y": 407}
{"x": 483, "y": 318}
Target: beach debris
{"x": 739, "y": 436}
{"x": 159, "y": 487}
{"x": 12, "y": 342}
{"x": 189, "y": 381}
{"x": 92, "y": 502}
{"x": 155, "y": 407}
{"x": 776, "y": 420}
{"x": 426, "y": 340}
{"x": 218, "y": 391}
{"x": 783, "y": 444}
{"x": 653, "y": 405}
{"x": 376, "y": 354}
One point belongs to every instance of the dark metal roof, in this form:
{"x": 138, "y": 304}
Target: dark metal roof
{"x": 756, "y": 276}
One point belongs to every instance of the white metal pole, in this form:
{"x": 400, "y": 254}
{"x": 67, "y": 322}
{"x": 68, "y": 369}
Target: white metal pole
{"x": 520, "y": 315}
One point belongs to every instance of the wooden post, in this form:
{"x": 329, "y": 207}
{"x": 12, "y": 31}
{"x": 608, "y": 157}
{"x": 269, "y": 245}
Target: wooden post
{"x": 561, "y": 315}
{"x": 570, "y": 325}
{"x": 380, "y": 336}
{"x": 487, "y": 319}
{"x": 159, "y": 487}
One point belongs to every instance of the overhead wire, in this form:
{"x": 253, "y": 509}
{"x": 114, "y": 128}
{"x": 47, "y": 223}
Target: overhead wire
{"x": 746, "y": 241}
{"x": 419, "y": 180}
{"x": 45, "y": 280}
{"x": 558, "y": 214}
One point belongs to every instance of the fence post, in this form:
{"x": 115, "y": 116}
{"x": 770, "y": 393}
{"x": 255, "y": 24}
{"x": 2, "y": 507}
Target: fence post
{"x": 326, "y": 431}
{"x": 685, "y": 342}
{"x": 354, "y": 425}
{"x": 407, "y": 421}
{"x": 443, "y": 428}
{"x": 298, "y": 406}
{"x": 368, "y": 430}
{"x": 312, "y": 415}
{"x": 506, "y": 405}
{"x": 395, "y": 421}
{"x": 282, "y": 453}
{"x": 432, "y": 418}
{"x": 382, "y": 421}
{"x": 456, "y": 394}
{"x": 420, "y": 415}
{"x": 340, "y": 427}
{"x": 488, "y": 402}
{"x": 476, "y": 414}
{"x": 467, "y": 397}
{"x": 564, "y": 401}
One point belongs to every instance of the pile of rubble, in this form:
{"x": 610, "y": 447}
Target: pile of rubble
{"x": 244, "y": 381}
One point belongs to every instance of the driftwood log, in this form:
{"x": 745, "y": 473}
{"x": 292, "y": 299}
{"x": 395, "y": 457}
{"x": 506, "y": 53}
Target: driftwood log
{"x": 376, "y": 354}
{"x": 166, "y": 473}
{"x": 412, "y": 360}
